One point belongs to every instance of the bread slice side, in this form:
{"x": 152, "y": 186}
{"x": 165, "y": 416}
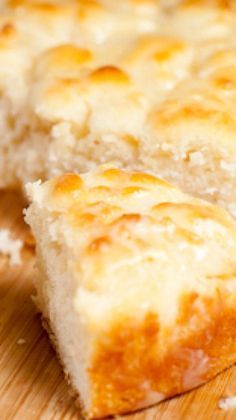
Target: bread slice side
{"x": 137, "y": 283}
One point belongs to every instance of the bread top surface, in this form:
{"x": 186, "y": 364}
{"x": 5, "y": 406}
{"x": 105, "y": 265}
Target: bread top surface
{"x": 133, "y": 240}
{"x": 112, "y": 56}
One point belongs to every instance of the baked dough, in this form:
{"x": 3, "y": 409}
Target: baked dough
{"x": 147, "y": 84}
{"x": 137, "y": 285}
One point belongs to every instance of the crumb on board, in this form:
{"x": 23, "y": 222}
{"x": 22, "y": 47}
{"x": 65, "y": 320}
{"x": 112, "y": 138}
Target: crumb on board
{"x": 227, "y": 403}
{"x": 10, "y": 247}
{"x": 21, "y": 342}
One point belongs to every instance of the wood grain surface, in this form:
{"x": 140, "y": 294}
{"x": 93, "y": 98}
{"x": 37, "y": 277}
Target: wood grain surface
{"x": 31, "y": 382}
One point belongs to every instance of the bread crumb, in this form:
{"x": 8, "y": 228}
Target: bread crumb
{"x": 10, "y": 247}
{"x": 21, "y": 342}
{"x": 227, "y": 403}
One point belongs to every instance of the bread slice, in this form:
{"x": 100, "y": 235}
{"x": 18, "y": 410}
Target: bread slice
{"x": 137, "y": 283}
{"x": 147, "y": 84}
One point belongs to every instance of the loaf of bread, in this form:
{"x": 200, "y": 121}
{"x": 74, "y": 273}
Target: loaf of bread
{"x": 146, "y": 84}
{"x": 137, "y": 286}
{"x": 28, "y": 28}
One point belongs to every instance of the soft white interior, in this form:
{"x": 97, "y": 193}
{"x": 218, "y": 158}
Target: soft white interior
{"x": 55, "y": 298}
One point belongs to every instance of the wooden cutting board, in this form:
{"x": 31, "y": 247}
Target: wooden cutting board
{"x": 31, "y": 382}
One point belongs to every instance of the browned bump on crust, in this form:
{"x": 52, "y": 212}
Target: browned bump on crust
{"x": 8, "y": 33}
{"x": 225, "y": 79}
{"x": 167, "y": 53}
{"x": 67, "y": 56}
{"x": 87, "y": 7}
{"x": 225, "y": 83}
{"x": 109, "y": 74}
{"x": 115, "y": 175}
{"x": 85, "y": 220}
{"x": 130, "y": 360}
{"x": 98, "y": 244}
{"x": 129, "y": 191}
{"x": 221, "y": 4}
{"x": 81, "y": 220}
{"x": 66, "y": 184}
{"x": 7, "y": 30}
{"x": 17, "y": 3}
{"x": 170, "y": 114}
{"x": 131, "y": 140}
{"x": 148, "y": 179}
{"x": 42, "y": 8}
{"x": 186, "y": 112}
{"x": 158, "y": 48}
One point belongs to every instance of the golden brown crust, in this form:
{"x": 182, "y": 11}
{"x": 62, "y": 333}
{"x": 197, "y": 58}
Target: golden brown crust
{"x": 129, "y": 357}
{"x": 109, "y": 74}
{"x": 66, "y": 184}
